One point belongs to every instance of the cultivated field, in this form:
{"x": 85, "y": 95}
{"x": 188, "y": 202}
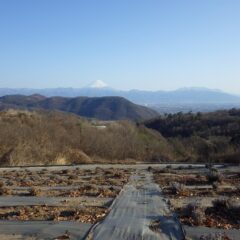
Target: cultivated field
{"x": 120, "y": 202}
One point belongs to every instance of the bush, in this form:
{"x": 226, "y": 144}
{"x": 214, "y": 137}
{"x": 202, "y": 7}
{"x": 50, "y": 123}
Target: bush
{"x": 34, "y": 191}
{"x": 5, "y": 191}
{"x": 178, "y": 189}
{"x": 221, "y": 204}
{"x": 214, "y": 176}
{"x": 215, "y": 185}
{"x": 195, "y": 212}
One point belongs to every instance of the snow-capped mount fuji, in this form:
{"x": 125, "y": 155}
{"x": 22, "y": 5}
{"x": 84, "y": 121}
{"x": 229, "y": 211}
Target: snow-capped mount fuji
{"x": 99, "y": 84}
{"x": 97, "y": 88}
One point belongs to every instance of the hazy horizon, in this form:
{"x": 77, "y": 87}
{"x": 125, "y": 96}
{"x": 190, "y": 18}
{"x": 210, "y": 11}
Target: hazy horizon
{"x": 146, "y": 45}
{"x": 118, "y": 89}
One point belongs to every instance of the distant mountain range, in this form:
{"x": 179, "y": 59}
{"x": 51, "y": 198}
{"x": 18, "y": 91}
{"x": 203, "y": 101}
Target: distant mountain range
{"x": 184, "y": 99}
{"x": 103, "y": 108}
{"x": 101, "y": 89}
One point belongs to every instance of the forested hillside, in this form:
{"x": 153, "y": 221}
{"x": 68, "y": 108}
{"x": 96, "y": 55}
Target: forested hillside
{"x": 42, "y": 137}
{"x": 103, "y": 108}
{"x": 202, "y": 137}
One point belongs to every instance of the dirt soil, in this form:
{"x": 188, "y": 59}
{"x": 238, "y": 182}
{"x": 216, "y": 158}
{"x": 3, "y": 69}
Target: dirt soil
{"x": 46, "y": 213}
{"x": 116, "y": 201}
{"x": 182, "y": 186}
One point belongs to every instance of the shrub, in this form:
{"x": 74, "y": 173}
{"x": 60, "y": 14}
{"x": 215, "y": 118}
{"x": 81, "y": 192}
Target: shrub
{"x": 34, "y": 191}
{"x": 221, "y": 204}
{"x": 215, "y": 185}
{"x": 195, "y": 212}
{"x": 214, "y": 176}
{"x": 178, "y": 189}
{"x": 5, "y": 191}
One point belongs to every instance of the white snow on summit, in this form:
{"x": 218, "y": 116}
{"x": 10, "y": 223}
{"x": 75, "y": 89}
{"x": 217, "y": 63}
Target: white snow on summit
{"x": 98, "y": 84}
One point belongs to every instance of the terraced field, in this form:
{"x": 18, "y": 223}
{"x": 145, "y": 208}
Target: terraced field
{"x": 120, "y": 202}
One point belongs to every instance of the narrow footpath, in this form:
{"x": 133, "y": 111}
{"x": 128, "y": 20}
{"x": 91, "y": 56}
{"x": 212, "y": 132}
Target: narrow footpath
{"x": 139, "y": 212}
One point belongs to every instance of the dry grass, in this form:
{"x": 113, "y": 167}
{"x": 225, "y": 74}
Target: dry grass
{"x": 192, "y": 214}
{"x": 35, "y": 191}
{"x": 80, "y": 182}
{"x": 5, "y": 191}
{"x": 54, "y": 138}
{"x": 47, "y": 213}
{"x": 222, "y": 214}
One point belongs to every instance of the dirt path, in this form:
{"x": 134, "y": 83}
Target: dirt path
{"x": 139, "y": 212}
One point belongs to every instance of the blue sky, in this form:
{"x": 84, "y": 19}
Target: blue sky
{"x": 141, "y": 44}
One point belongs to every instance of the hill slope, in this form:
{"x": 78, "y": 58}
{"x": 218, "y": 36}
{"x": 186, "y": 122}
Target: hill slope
{"x": 103, "y": 108}
{"x": 53, "y": 137}
{"x": 50, "y": 137}
{"x": 202, "y": 137}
